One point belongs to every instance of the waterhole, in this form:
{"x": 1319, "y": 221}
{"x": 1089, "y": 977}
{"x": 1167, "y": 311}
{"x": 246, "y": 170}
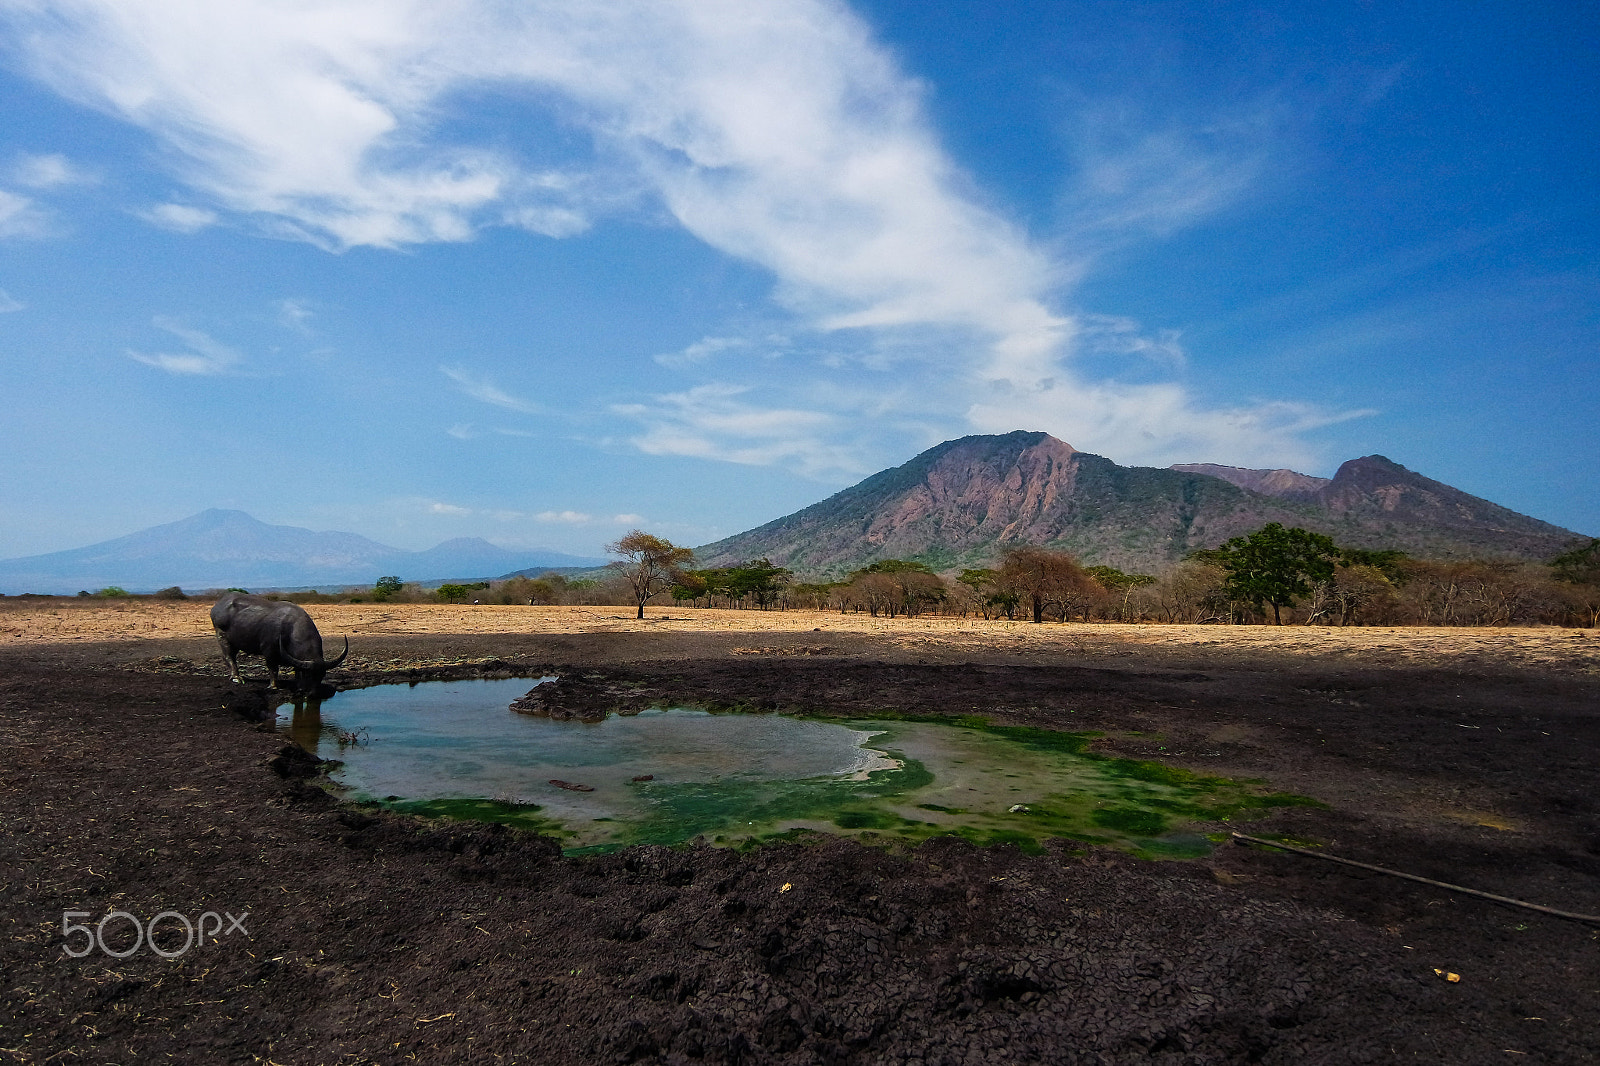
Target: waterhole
{"x": 665, "y": 776}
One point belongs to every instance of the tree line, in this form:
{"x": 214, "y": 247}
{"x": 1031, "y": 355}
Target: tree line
{"x": 1275, "y": 575}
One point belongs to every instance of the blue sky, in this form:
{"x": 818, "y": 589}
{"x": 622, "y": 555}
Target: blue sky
{"x": 542, "y": 272}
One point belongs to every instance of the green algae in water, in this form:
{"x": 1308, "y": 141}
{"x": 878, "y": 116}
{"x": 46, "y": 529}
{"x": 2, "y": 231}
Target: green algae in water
{"x": 736, "y": 779}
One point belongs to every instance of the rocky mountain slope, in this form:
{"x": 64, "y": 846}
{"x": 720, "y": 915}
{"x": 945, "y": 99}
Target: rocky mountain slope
{"x": 962, "y": 502}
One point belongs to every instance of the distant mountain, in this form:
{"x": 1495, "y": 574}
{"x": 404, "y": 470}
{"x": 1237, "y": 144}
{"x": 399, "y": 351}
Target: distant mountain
{"x": 962, "y": 502}
{"x": 220, "y": 549}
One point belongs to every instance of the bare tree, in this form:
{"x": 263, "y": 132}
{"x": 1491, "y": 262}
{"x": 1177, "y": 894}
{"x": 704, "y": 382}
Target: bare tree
{"x": 650, "y": 564}
{"x": 1188, "y": 590}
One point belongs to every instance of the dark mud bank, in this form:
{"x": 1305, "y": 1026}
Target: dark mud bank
{"x": 375, "y": 937}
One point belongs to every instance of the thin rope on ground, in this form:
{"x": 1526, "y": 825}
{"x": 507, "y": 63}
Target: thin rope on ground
{"x": 1593, "y": 919}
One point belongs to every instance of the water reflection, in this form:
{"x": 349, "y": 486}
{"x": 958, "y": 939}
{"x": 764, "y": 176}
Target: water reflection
{"x": 669, "y": 775}
{"x": 305, "y": 724}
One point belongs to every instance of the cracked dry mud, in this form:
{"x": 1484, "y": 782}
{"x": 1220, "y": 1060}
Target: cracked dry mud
{"x": 135, "y": 778}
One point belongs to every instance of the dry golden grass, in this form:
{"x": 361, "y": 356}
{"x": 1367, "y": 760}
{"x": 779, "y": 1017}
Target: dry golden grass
{"x": 37, "y": 622}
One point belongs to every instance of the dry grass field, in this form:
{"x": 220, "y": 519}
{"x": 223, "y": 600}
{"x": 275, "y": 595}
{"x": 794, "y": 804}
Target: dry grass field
{"x": 28, "y": 622}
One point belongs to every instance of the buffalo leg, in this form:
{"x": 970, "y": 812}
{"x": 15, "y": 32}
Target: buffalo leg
{"x": 232, "y": 655}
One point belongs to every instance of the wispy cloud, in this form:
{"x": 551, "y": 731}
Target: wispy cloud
{"x": 435, "y": 507}
{"x": 1138, "y": 174}
{"x": 715, "y": 421}
{"x": 1122, "y": 337}
{"x": 205, "y": 357}
{"x": 486, "y": 391}
{"x": 48, "y": 172}
{"x": 296, "y": 315}
{"x": 9, "y": 303}
{"x": 571, "y": 518}
{"x": 180, "y": 218}
{"x": 700, "y": 351}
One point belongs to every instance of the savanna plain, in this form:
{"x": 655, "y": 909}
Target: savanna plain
{"x": 135, "y": 777}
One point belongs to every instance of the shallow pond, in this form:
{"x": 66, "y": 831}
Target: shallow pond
{"x": 666, "y": 776}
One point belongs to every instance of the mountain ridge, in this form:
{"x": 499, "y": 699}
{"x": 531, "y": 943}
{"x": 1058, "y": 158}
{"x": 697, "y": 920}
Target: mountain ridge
{"x": 961, "y": 502}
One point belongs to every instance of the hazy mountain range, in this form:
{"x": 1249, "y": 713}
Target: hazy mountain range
{"x": 221, "y": 549}
{"x": 962, "y": 502}
{"x": 958, "y": 504}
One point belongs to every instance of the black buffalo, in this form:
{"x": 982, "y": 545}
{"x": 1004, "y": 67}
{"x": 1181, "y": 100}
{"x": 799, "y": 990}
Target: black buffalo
{"x": 282, "y": 633}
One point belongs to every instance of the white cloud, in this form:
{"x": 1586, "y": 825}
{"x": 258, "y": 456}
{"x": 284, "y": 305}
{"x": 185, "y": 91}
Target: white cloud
{"x": 1156, "y": 424}
{"x": 713, "y": 421}
{"x": 47, "y": 172}
{"x": 780, "y": 133}
{"x": 181, "y": 218}
{"x": 700, "y": 351}
{"x": 1138, "y": 174}
{"x": 463, "y": 431}
{"x": 295, "y": 315}
{"x": 435, "y": 507}
{"x": 205, "y": 356}
{"x": 486, "y": 391}
{"x": 572, "y": 518}
{"x": 1115, "y": 335}
{"x": 21, "y": 217}
{"x": 9, "y": 303}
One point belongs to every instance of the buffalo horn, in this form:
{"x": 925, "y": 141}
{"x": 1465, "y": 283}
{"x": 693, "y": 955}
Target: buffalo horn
{"x": 299, "y": 664}
{"x": 342, "y": 655}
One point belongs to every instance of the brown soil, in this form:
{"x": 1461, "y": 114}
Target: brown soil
{"x": 135, "y": 778}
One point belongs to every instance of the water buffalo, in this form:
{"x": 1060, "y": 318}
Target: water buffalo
{"x": 282, "y": 633}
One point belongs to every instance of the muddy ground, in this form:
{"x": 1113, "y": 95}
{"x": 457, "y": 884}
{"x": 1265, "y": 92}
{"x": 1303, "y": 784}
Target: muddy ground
{"x": 133, "y": 777}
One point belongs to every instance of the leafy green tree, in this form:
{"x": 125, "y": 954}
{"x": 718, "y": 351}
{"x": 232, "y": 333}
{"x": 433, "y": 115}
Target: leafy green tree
{"x": 112, "y": 592}
{"x": 1390, "y": 562}
{"x": 895, "y": 566}
{"x": 385, "y": 587}
{"x": 691, "y": 585}
{"x": 650, "y": 564}
{"x": 452, "y": 593}
{"x": 1274, "y": 565}
{"x": 1580, "y": 566}
{"x": 764, "y": 581}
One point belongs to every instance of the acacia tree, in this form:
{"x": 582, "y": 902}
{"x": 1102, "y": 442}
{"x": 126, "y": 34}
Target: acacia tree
{"x": 1115, "y": 581}
{"x": 1045, "y": 578}
{"x": 912, "y": 584}
{"x": 650, "y": 563}
{"x": 1274, "y": 565}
